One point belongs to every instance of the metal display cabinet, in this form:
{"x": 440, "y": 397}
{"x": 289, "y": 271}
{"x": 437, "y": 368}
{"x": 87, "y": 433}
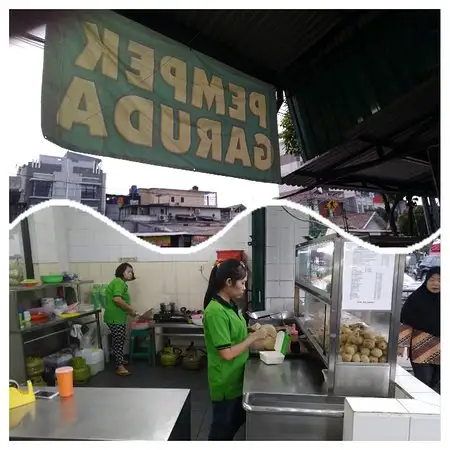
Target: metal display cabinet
{"x": 349, "y": 310}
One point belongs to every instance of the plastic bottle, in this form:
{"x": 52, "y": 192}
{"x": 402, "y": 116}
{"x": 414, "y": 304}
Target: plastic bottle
{"x": 294, "y": 331}
{"x": 26, "y": 318}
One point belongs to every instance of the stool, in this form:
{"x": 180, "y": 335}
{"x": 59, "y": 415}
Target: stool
{"x": 137, "y": 350}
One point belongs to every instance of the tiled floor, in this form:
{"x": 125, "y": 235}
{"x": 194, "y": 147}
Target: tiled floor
{"x": 144, "y": 376}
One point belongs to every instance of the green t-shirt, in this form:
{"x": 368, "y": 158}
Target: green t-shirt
{"x": 224, "y": 327}
{"x": 114, "y": 314}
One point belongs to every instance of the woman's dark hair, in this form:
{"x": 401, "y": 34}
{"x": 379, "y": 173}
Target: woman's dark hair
{"x": 230, "y": 269}
{"x": 121, "y": 270}
{"x": 436, "y": 270}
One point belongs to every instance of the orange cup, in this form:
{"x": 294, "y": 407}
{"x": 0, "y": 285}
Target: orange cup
{"x": 64, "y": 377}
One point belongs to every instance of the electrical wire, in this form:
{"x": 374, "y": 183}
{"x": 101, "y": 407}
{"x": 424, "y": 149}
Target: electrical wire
{"x": 301, "y": 220}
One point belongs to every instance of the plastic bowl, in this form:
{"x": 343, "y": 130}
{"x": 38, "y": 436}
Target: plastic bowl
{"x": 141, "y": 325}
{"x": 31, "y": 283}
{"x": 197, "y": 319}
{"x": 52, "y": 279}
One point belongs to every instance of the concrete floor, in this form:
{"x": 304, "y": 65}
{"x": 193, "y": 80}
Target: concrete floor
{"x": 145, "y": 376}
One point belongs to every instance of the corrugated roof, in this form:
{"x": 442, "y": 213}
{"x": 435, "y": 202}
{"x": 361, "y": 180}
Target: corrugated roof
{"x": 262, "y": 43}
{"x": 410, "y": 125}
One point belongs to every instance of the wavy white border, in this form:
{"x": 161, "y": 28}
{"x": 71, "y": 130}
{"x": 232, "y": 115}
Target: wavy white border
{"x": 218, "y": 235}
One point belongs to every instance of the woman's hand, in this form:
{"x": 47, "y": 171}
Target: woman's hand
{"x": 259, "y": 335}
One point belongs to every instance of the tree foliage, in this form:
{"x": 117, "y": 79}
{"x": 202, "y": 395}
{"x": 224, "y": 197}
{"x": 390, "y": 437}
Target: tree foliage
{"x": 288, "y": 135}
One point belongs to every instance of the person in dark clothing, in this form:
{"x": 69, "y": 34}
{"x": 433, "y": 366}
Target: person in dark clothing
{"x": 421, "y": 329}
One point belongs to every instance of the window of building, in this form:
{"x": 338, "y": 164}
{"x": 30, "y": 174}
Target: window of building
{"x": 172, "y": 199}
{"x": 182, "y": 199}
{"x": 89, "y": 191}
{"x": 42, "y": 188}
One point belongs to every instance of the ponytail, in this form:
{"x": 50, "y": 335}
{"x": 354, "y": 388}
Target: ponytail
{"x": 230, "y": 269}
{"x": 212, "y": 287}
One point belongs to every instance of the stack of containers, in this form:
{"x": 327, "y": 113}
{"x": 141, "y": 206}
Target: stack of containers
{"x": 95, "y": 359}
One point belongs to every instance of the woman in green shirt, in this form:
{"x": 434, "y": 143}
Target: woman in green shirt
{"x": 227, "y": 343}
{"x": 117, "y": 311}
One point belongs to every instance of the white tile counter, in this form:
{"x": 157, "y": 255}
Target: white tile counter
{"x": 414, "y": 415}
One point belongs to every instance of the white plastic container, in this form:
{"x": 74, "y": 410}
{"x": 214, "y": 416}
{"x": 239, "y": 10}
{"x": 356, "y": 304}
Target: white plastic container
{"x": 274, "y": 356}
{"x": 95, "y": 359}
{"x": 197, "y": 319}
{"x": 97, "y": 363}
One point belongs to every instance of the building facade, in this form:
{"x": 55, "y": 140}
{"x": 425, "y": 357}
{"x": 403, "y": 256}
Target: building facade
{"x": 73, "y": 177}
{"x": 170, "y": 217}
{"x": 192, "y": 198}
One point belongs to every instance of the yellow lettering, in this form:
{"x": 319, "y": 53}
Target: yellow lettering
{"x": 181, "y": 144}
{"x": 96, "y": 49}
{"x": 213, "y": 92}
{"x": 132, "y": 104}
{"x": 210, "y": 134}
{"x": 262, "y": 152}
{"x": 69, "y": 112}
{"x": 143, "y": 65}
{"x": 173, "y": 70}
{"x": 238, "y": 101}
{"x": 237, "y": 148}
{"x": 257, "y": 104}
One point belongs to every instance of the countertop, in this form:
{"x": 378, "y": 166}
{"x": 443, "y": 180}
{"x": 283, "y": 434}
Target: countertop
{"x": 295, "y": 376}
{"x": 99, "y": 414}
{"x": 179, "y": 325}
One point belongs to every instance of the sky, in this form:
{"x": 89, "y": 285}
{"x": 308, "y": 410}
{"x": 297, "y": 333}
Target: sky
{"x": 26, "y": 61}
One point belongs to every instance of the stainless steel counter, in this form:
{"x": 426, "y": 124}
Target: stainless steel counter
{"x": 294, "y": 376}
{"x": 178, "y": 325}
{"x": 290, "y": 402}
{"x": 178, "y": 330}
{"x": 106, "y": 414}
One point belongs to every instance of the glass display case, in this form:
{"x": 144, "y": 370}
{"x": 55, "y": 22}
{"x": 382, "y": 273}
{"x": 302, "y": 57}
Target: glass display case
{"x": 315, "y": 319}
{"x": 314, "y": 265}
{"x": 364, "y": 337}
{"x": 349, "y": 310}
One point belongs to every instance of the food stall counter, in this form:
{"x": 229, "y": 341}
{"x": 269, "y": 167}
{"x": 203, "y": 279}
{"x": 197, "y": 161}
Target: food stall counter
{"x": 289, "y": 401}
{"x": 106, "y": 414}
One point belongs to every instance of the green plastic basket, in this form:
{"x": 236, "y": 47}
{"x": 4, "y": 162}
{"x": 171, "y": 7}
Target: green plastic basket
{"x": 52, "y": 279}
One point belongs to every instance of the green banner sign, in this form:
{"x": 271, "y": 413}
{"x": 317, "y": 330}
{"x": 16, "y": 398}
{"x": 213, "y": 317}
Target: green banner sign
{"x": 112, "y": 87}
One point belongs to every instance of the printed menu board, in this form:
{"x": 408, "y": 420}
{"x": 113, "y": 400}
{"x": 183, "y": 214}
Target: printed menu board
{"x": 368, "y": 279}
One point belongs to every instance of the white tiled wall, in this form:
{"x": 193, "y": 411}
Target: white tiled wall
{"x": 283, "y": 233}
{"x": 65, "y": 238}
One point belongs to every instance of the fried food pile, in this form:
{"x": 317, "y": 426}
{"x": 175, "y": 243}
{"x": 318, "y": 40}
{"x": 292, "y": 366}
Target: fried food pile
{"x": 360, "y": 344}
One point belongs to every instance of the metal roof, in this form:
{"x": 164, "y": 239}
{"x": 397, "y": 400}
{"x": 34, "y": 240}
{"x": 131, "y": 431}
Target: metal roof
{"x": 263, "y": 43}
{"x": 387, "y": 152}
